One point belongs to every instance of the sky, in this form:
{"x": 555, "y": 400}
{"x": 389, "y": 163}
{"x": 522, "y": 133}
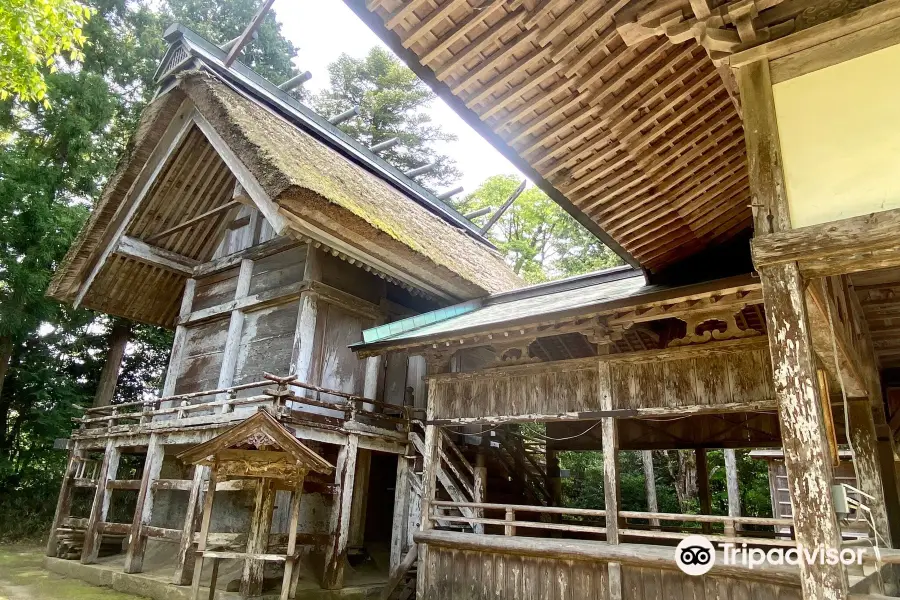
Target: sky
{"x": 323, "y": 29}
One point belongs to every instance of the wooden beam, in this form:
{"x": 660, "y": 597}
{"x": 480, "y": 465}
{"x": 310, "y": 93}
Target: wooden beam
{"x": 170, "y": 141}
{"x": 862, "y": 243}
{"x": 160, "y": 257}
{"x": 64, "y": 502}
{"x": 828, "y": 337}
{"x": 248, "y": 32}
{"x": 400, "y": 521}
{"x": 182, "y": 261}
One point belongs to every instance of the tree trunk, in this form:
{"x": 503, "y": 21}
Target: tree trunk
{"x": 118, "y": 340}
{"x": 6, "y": 350}
{"x": 683, "y": 469}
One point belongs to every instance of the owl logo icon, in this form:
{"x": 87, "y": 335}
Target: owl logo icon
{"x": 695, "y": 555}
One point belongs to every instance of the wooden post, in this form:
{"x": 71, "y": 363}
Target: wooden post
{"x": 291, "y": 564}
{"x": 118, "y": 340}
{"x": 650, "y": 484}
{"x": 372, "y": 381}
{"x": 100, "y": 507}
{"x": 734, "y": 492}
{"x": 703, "y": 486}
{"x": 204, "y": 533}
{"x": 360, "y": 499}
{"x": 184, "y": 559}
{"x": 509, "y": 517}
{"x": 258, "y": 538}
{"x": 551, "y": 458}
{"x": 889, "y": 480}
{"x": 172, "y": 371}
{"x": 479, "y": 487}
{"x": 868, "y": 471}
{"x": 610, "y": 439}
{"x": 806, "y": 453}
{"x": 336, "y": 554}
{"x": 431, "y": 462}
{"x": 235, "y": 328}
{"x": 400, "y": 521}
{"x": 134, "y": 559}
{"x": 64, "y": 502}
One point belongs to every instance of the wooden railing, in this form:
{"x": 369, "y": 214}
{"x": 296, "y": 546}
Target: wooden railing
{"x": 578, "y": 520}
{"x": 281, "y": 398}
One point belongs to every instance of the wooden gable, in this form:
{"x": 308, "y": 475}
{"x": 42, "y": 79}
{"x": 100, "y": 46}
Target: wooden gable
{"x": 257, "y": 447}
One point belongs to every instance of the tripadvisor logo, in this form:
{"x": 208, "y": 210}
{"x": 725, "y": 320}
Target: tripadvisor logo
{"x": 695, "y": 555}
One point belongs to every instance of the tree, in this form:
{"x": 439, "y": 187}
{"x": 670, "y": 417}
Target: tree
{"x": 392, "y": 103}
{"x": 34, "y": 36}
{"x": 539, "y": 239}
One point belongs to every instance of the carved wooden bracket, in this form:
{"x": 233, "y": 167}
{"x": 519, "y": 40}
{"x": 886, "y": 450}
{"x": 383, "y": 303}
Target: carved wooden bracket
{"x": 723, "y": 30}
{"x": 437, "y": 360}
{"x": 695, "y": 320}
{"x": 513, "y": 352}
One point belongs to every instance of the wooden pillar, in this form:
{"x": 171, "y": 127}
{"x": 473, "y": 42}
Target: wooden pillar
{"x": 290, "y": 566}
{"x": 134, "y": 559}
{"x": 551, "y": 458}
{"x": 360, "y": 502}
{"x": 204, "y": 535}
{"x": 336, "y": 553}
{"x": 864, "y": 441}
{"x": 184, "y": 559}
{"x": 610, "y": 439}
{"x": 64, "y": 502}
{"x": 258, "y": 538}
{"x": 302, "y": 363}
{"x": 431, "y": 462}
{"x": 172, "y": 371}
{"x": 806, "y": 453}
{"x": 732, "y": 476}
{"x": 650, "y": 484}
{"x": 92, "y": 537}
{"x": 479, "y": 487}
{"x": 372, "y": 381}
{"x": 118, "y": 340}
{"x": 889, "y": 480}
{"x": 807, "y": 456}
{"x": 703, "y": 486}
{"x": 235, "y": 328}
{"x": 400, "y": 521}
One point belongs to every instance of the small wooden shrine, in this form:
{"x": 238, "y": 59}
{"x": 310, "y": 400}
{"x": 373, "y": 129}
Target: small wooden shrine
{"x": 262, "y": 449}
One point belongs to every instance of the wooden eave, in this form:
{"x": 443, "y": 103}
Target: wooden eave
{"x": 260, "y": 423}
{"x": 652, "y": 305}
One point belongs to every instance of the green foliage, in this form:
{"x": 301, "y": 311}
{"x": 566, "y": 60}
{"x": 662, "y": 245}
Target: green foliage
{"x": 36, "y": 36}
{"x": 539, "y": 239}
{"x": 392, "y": 103}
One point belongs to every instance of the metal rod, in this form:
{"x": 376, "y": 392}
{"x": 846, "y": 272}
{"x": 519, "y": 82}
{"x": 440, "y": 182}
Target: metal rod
{"x": 420, "y": 170}
{"x": 478, "y": 213}
{"x": 296, "y": 81}
{"x": 251, "y": 28}
{"x": 496, "y": 216}
{"x": 384, "y": 145}
{"x": 344, "y": 116}
{"x": 450, "y": 193}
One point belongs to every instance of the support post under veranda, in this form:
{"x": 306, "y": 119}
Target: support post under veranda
{"x": 64, "y": 502}
{"x": 864, "y": 442}
{"x": 204, "y": 537}
{"x": 143, "y": 511}
{"x": 100, "y": 507}
{"x": 336, "y": 553}
{"x": 184, "y": 558}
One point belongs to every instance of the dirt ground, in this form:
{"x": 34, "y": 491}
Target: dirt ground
{"x": 23, "y": 578}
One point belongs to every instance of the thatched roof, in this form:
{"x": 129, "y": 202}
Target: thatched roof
{"x": 315, "y": 187}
